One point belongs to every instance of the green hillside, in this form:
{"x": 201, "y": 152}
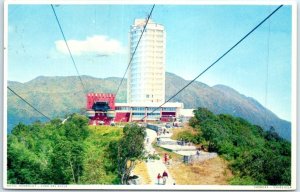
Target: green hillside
{"x": 75, "y": 153}
{"x": 55, "y": 97}
{"x": 55, "y": 153}
{"x": 58, "y": 96}
{"x": 256, "y": 157}
{"x": 221, "y": 99}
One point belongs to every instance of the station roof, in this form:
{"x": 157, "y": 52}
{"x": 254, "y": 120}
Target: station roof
{"x": 150, "y": 104}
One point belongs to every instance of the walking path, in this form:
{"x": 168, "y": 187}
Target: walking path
{"x": 156, "y": 166}
{"x": 184, "y": 150}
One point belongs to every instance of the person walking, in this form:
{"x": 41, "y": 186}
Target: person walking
{"x": 166, "y": 158}
{"x": 158, "y": 178}
{"x": 165, "y": 176}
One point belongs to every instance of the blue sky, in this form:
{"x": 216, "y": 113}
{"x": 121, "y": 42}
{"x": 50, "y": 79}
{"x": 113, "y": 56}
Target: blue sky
{"x": 260, "y": 67}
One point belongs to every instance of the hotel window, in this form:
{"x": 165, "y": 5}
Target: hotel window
{"x": 169, "y": 108}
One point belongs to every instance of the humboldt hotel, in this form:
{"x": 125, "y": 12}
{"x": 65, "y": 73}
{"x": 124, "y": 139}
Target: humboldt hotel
{"x": 145, "y": 81}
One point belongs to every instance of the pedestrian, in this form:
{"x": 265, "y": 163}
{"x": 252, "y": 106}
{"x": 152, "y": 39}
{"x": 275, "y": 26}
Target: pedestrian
{"x": 147, "y": 139}
{"x": 198, "y": 152}
{"x": 158, "y": 178}
{"x": 165, "y": 176}
{"x": 166, "y": 158}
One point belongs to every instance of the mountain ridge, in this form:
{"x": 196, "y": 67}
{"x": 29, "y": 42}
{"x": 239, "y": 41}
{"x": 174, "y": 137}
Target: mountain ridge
{"x": 58, "y": 95}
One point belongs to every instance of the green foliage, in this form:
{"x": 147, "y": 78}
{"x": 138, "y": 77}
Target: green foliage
{"x": 193, "y": 121}
{"x": 125, "y": 152}
{"x": 57, "y": 96}
{"x": 56, "y": 153}
{"x": 98, "y": 166}
{"x": 242, "y": 181}
{"x": 47, "y": 153}
{"x": 256, "y": 156}
{"x": 190, "y": 137}
{"x": 153, "y": 156}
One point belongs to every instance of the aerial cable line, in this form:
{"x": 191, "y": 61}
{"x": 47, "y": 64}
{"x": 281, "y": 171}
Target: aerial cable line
{"x": 69, "y": 50}
{"x": 132, "y": 55}
{"x": 236, "y": 44}
{"x": 28, "y": 103}
{"x": 267, "y": 76}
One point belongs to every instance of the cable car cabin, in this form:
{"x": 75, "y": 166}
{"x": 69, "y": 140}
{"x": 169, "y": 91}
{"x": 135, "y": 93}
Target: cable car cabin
{"x": 100, "y": 108}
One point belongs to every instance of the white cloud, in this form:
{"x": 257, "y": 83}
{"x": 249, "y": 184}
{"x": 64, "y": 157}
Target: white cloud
{"x": 97, "y": 44}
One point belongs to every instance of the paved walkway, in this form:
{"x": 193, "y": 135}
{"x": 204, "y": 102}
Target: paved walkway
{"x": 184, "y": 150}
{"x": 155, "y": 166}
{"x": 168, "y": 143}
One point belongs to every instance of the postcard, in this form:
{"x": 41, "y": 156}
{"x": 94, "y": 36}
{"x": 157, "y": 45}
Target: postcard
{"x": 136, "y": 95}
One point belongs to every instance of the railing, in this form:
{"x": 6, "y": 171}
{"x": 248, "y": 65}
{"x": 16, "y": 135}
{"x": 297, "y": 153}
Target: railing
{"x": 154, "y": 127}
{"x": 168, "y": 143}
{"x": 199, "y": 158}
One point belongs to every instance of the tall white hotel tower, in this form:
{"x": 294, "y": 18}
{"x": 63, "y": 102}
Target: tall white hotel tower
{"x": 146, "y": 75}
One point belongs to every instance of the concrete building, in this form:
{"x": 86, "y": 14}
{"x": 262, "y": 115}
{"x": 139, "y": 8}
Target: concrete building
{"x": 102, "y": 109}
{"x": 137, "y": 111}
{"x": 146, "y": 75}
{"x": 145, "y": 85}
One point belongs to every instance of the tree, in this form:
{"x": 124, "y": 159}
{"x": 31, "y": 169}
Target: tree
{"x": 272, "y": 134}
{"x": 67, "y": 159}
{"x": 203, "y": 114}
{"x": 67, "y": 163}
{"x": 256, "y": 156}
{"x": 49, "y": 153}
{"x": 128, "y": 150}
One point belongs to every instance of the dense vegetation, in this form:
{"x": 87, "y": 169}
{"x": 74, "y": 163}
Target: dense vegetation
{"x": 49, "y": 153}
{"x": 256, "y": 157}
{"x": 73, "y": 152}
{"x": 98, "y": 167}
{"x": 125, "y": 153}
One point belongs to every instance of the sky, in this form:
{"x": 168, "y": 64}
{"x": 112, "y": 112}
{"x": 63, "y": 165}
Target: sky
{"x": 98, "y": 36}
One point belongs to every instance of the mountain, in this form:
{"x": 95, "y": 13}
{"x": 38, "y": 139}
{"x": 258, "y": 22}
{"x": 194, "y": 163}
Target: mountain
{"x": 58, "y": 96}
{"x": 221, "y": 99}
{"x": 55, "y": 96}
